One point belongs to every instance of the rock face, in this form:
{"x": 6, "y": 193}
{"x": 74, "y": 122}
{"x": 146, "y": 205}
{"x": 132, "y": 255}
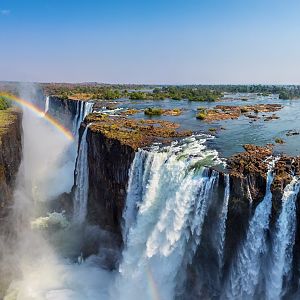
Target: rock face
{"x": 109, "y": 163}
{"x": 112, "y": 143}
{"x": 63, "y": 110}
{"x": 10, "y": 155}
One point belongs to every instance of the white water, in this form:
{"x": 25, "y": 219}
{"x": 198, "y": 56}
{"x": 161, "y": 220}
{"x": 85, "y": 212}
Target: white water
{"x": 245, "y": 273}
{"x": 82, "y": 181}
{"x": 166, "y": 206}
{"x": 280, "y": 263}
{"x": 42, "y": 273}
{"x": 47, "y": 104}
{"x": 138, "y": 177}
{"x": 222, "y": 223}
{"x": 169, "y": 193}
{"x": 82, "y": 110}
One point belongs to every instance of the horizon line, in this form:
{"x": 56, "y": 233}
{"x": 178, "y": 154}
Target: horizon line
{"x": 148, "y": 84}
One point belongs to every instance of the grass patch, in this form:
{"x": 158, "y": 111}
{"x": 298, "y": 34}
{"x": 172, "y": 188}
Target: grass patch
{"x": 153, "y": 111}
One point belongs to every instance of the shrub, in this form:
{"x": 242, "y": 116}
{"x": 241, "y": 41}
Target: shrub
{"x": 201, "y": 115}
{"x": 3, "y": 103}
{"x": 153, "y": 111}
{"x": 279, "y": 141}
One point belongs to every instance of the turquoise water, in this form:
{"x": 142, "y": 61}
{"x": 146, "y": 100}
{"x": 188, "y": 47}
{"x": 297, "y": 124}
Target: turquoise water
{"x": 237, "y": 132}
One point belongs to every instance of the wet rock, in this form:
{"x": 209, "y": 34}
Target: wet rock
{"x": 292, "y": 132}
{"x": 225, "y": 112}
{"x": 270, "y": 118}
{"x": 10, "y": 155}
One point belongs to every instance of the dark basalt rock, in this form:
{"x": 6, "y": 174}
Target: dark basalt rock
{"x": 10, "y": 157}
{"x": 63, "y": 110}
{"x": 109, "y": 163}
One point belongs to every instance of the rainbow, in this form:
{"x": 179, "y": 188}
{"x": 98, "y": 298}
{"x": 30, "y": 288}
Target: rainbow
{"x": 152, "y": 284}
{"x": 67, "y": 133}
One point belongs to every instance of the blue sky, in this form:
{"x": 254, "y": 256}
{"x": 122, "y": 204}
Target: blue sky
{"x": 150, "y": 41}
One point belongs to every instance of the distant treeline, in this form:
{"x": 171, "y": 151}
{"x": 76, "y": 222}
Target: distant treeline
{"x": 284, "y": 91}
{"x": 133, "y": 92}
{"x": 157, "y": 92}
{"x": 147, "y": 92}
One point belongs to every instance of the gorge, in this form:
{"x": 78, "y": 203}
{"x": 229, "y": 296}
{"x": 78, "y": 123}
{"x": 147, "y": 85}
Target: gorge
{"x": 139, "y": 209}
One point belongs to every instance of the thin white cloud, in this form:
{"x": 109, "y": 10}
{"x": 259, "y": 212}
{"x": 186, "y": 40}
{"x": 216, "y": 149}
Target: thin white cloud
{"x": 4, "y": 12}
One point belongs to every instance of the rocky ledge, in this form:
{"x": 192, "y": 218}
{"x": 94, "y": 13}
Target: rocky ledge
{"x": 225, "y": 112}
{"x": 135, "y": 133}
{"x": 252, "y": 166}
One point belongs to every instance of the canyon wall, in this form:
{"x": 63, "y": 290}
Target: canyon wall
{"x": 109, "y": 163}
{"x": 63, "y": 110}
{"x": 10, "y": 155}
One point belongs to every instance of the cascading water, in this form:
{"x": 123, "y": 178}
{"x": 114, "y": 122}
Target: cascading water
{"x": 47, "y": 104}
{"x": 170, "y": 196}
{"x": 83, "y": 108}
{"x": 222, "y": 223}
{"x": 81, "y": 168}
{"x": 280, "y": 263}
{"x": 245, "y": 273}
{"x": 42, "y": 270}
{"x": 82, "y": 181}
{"x": 165, "y": 208}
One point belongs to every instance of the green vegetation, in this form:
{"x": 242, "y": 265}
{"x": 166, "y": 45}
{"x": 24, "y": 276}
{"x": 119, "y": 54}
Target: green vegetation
{"x": 137, "y": 96}
{"x": 202, "y": 113}
{"x": 158, "y": 92}
{"x": 153, "y": 111}
{"x": 7, "y": 117}
{"x": 188, "y": 93}
{"x": 110, "y": 92}
{"x": 4, "y": 104}
{"x": 284, "y": 95}
{"x": 279, "y": 141}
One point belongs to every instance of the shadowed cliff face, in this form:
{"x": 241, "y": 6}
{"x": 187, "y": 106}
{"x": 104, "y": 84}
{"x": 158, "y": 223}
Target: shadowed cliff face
{"x": 63, "y": 110}
{"x": 10, "y": 156}
{"x": 10, "y": 159}
{"x": 109, "y": 162}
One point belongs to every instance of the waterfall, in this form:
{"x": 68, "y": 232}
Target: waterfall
{"x": 83, "y": 108}
{"x": 47, "y": 104}
{"x": 81, "y": 168}
{"x": 222, "y": 223}
{"x": 245, "y": 273}
{"x": 138, "y": 176}
{"x": 167, "y": 200}
{"x": 88, "y": 108}
{"x": 280, "y": 263}
{"x": 82, "y": 181}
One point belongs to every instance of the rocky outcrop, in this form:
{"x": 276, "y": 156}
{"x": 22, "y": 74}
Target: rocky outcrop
{"x": 227, "y": 112}
{"x": 10, "y": 155}
{"x": 248, "y": 173}
{"x": 64, "y": 110}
